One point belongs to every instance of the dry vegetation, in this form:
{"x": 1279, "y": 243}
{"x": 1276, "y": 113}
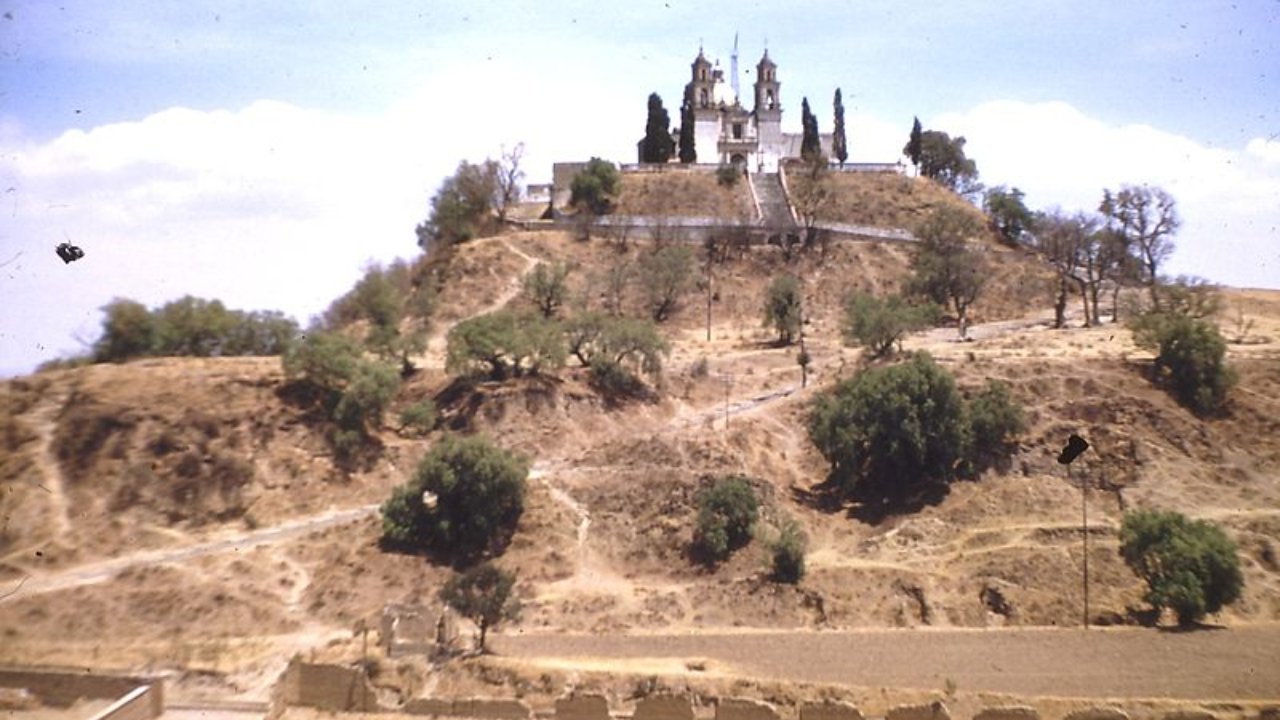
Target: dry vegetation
{"x": 888, "y": 200}
{"x": 144, "y": 459}
{"x": 684, "y": 194}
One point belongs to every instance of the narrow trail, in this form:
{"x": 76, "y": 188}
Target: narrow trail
{"x": 101, "y": 571}
{"x": 44, "y": 421}
{"x": 438, "y": 344}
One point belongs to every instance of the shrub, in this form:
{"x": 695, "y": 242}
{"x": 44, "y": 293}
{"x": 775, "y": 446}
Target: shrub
{"x": 190, "y": 326}
{"x": 352, "y": 390}
{"x": 783, "y": 308}
{"x": 994, "y": 417}
{"x": 419, "y": 417}
{"x": 546, "y": 288}
{"x": 395, "y": 312}
{"x": 595, "y": 189}
{"x": 464, "y": 499}
{"x": 482, "y": 594}
{"x": 890, "y": 432}
{"x": 128, "y": 330}
{"x": 878, "y": 323}
{"x": 1190, "y": 567}
{"x": 726, "y": 515}
{"x": 728, "y": 176}
{"x": 1190, "y": 359}
{"x": 787, "y": 554}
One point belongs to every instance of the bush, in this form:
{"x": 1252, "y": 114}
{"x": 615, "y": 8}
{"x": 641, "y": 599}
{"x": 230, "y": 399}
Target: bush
{"x": 546, "y": 288}
{"x": 464, "y": 500}
{"x": 1190, "y": 567}
{"x": 728, "y": 176}
{"x": 395, "y": 312}
{"x": 482, "y": 594}
{"x": 787, "y": 554}
{"x": 783, "y": 308}
{"x": 878, "y": 323}
{"x": 1190, "y": 359}
{"x": 353, "y": 391}
{"x": 419, "y": 417}
{"x": 627, "y": 342}
{"x": 190, "y": 326}
{"x": 595, "y": 189}
{"x": 609, "y": 378}
{"x": 505, "y": 344}
{"x": 994, "y": 417}
{"x": 891, "y": 432}
{"x": 726, "y": 515}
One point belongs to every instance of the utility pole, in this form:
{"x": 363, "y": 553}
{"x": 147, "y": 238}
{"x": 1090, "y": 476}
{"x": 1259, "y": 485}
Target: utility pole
{"x": 709, "y": 253}
{"x": 1074, "y": 448}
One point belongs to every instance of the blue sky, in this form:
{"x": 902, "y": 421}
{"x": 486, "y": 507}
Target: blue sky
{"x": 262, "y": 153}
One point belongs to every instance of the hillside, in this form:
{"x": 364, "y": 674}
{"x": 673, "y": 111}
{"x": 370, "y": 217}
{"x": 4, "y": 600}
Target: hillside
{"x": 188, "y": 512}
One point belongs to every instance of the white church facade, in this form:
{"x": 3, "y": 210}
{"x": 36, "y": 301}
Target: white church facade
{"x": 724, "y": 131}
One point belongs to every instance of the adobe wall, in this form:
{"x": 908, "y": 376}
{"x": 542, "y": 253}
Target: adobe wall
{"x": 329, "y": 687}
{"x": 1098, "y": 713}
{"x": 829, "y": 711}
{"x": 62, "y": 688}
{"x": 663, "y": 707}
{"x": 936, "y": 710}
{"x": 736, "y": 709}
{"x": 1008, "y": 712}
{"x": 582, "y": 707}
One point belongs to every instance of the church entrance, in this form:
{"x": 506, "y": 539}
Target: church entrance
{"x": 738, "y": 159}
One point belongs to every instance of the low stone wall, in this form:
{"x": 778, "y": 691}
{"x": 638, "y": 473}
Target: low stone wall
{"x": 829, "y": 711}
{"x": 335, "y": 688}
{"x": 735, "y": 709}
{"x": 582, "y": 707}
{"x": 1098, "y": 713}
{"x": 664, "y": 707}
{"x": 1008, "y": 712}
{"x": 138, "y": 704}
{"x": 936, "y": 710}
{"x": 61, "y": 688}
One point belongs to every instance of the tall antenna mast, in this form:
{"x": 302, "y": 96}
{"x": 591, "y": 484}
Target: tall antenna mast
{"x": 733, "y": 67}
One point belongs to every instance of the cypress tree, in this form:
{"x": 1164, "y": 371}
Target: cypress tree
{"x": 915, "y": 145}
{"x": 810, "y": 145}
{"x": 688, "y": 153}
{"x": 839, "y": 144}
{"x": 657, "y": 146}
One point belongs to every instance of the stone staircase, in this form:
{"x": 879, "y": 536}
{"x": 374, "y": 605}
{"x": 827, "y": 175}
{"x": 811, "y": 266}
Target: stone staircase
{"x": 774, "y": 208}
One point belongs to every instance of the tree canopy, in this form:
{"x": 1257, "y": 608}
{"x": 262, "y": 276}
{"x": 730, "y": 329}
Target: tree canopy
{"x": 944, "y": 269}
{"x": 1146, "y": 217}
{"x": 483, "y": 595}
{"x": 839, "y": 143}
{"x": 942, "y": 158}
{"x": 688, "y": 151}
{"x": 783, "y": 308}
{"x": 657, "y": 146}
{"x": 1189, "y": 566}
{"x": 1007, "y": 213}
{"x": 810, "y": 141}
{"x": 189, "y": 326}
{"x": 596, "y": 188}
{"x": 462, "y": 209}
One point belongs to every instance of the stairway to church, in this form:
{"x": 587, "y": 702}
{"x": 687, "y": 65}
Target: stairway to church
{"x": 773, "y": 201}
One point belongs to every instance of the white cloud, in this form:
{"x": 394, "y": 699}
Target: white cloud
{"x": 1229, "y": 200}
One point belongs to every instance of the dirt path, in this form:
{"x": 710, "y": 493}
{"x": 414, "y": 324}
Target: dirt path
{"x": 96, "y": 572}
{"x": 44, "y": 421}
{"x": 1225, "y": 664}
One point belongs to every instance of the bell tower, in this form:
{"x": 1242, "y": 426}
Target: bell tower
{"x": 768, "y": 112}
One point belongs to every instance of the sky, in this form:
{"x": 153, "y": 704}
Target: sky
{"x": 265, "y": 153}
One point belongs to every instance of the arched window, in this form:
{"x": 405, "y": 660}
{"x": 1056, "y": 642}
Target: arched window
{"x": 702, "y": 74}
{"x": 702, "y": 97}
{"x": 769, "y": 102}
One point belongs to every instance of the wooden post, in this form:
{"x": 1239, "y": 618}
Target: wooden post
{"x": 1084, "y": 524}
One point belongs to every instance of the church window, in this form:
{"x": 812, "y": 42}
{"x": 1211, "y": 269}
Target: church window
{"x": 737, "y": 131}
{"x": 702, "y": 97}
{"x": 702, "y": 74}
{"x": 769, "y": 102}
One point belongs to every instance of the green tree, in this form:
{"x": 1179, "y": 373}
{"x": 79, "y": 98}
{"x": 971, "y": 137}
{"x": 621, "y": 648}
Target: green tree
{"x": 482, "y": 594}
{"x": 727, "y": 514}
{"x": 193, "y": 327}
{"x": 1189, "y": 566}
{"x": 595, "y": 189}
{"x": 994, "y": 417}
{"x": 810, "y": 141}
{"x": 464, "y": 500}
{"x": 667, "y": 275}
{"x": 462, "y": 209}
{"x": 839, "y": 143}
{"x": 891, "y": 432}
{"x": 877, "y": 324}
{"x": 1190, "y": 359}
{"x": 419, "y": 417}
{"x": 395, "y": 313}
{"x": 128, "y": 331}
{"x": 546, "y": 287}
{"x": 783, "y": 308}
{"x": 1007, "y": 214}
{"x": 944, "y": 269}
{"x": 688, "y": 152}
{"x": 657, "y": 146}
{"x": 505, "y": 344}
{"x": 351, "y": 389}
{"x": 632, "y": 343}
{"x": 914, "y": 148}
{"x": 942, "y": 158}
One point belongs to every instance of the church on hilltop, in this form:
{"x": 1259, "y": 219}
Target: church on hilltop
{"x": 724, "y": 131}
